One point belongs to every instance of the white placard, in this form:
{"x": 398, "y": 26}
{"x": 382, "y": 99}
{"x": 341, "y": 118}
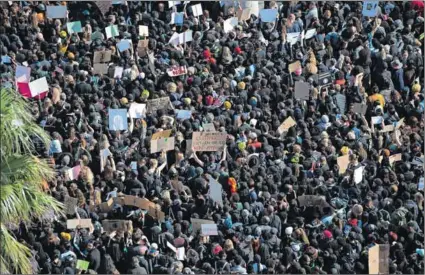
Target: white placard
{"x": 118, "y": 72}
{"x": 230, "y": 24}
{"x": 216, "y": 191}
{"x": 209, "y": 229}
{"x": 143, "y": 31}
{"x": 310, "y": 33}
{"x": 197, "y": 10}
{"x": 358, "y": 174}
{"x": 56, "y": 11}
{"x": 38, "y": 86}
{"x": 137, "y": 110}
{"x": 172, "y": 247}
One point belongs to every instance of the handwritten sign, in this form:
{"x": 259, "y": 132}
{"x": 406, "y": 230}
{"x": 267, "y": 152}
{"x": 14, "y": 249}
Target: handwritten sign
{"x": 197, "y": 223}
{"x": 286, "y": 124}
{"x": 142, "y": 47}
{"x": 208, "y": 127}
{"x": 100, "y": 68}
{"x": 102, "y": 56}
{"x": 177, "y": 70}
{"x": 158, "y": 104}
{"x": 209, "y": 141}
{"x": 74, "y": 223}
{"x": 158, "y": 145}
{"x": 378, "y": 259}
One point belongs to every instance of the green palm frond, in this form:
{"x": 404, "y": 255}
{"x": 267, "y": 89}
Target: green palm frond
{"x": 17, "y": 125}
{"x": 21, "y": 177}
{"x": 25, "y": 168}
{"x": 14, "y": 255}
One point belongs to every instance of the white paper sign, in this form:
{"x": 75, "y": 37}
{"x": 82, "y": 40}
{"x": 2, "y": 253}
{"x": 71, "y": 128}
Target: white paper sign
{"x": 173, "y": 3}
{"x": 229, "y": 24}
{"x": 172, "y": 247}
{"x": 293, "y": 37}
{"x": 38, "y": 86}
{"x": 118, "y": 72}
{"x": 358, "y": 174}
{"x": 209, "y": 229}
{"x": 180, "y": 253}
{"x": 310, "y": 33}
{"x": 137, "y": 110}
{"x": 143, "y": 31}
{"x": 377, "y": 119}
{"x": 197, "y": 10}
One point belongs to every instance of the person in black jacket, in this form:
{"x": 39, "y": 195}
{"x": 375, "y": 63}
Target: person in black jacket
{"x": 136, "y": 268}
{"x": 93, "y": 257}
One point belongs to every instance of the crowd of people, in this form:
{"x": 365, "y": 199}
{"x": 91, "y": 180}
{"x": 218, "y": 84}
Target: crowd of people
{"x": 366, "y": 102}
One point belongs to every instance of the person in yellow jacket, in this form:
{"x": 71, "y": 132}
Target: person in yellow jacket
{"x": 376, "y": 96}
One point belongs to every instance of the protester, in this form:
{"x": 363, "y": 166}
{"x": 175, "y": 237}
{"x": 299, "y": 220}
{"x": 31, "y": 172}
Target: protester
{"x": 352, "y": 141}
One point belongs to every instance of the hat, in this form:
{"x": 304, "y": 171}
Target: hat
{"x": 71, "y": 56}
{"x": 187, "y": 101}
{"x": 345, "y": 150}
{"x": 241, "y": 85}
{"x": 154, "y": 246}
{"x": 327, "y": 234}
{"x": 242, "y": 146}
{"x": 171, "y": 87}
{"x": 217, "y": 249}
{"x": 253, "y": 101}
{"x": 63, "y": 34}
{"x": 124, "y": 100}
{"x": 416, "y": 88}
{"x": 145, "y": 93}
{"x": 227, "y": 105}
{"x": 289, "y": 230}
{"x": 66, "y": 236}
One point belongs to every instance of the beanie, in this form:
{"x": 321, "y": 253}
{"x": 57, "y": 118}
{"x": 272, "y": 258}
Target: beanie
{"x": 416, "y": 88}
{"x": 241, "y": 85}
{"x": 227, "y": 105}
{"x": 233, "y": 185}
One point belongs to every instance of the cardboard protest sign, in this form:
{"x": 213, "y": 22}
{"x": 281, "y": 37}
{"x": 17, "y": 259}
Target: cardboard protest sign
{"x": 82, "y": 265}
{"x": 144, "y": 31}
{"x": 358, "y": 174}
{"x": 38, "y": 86}
{"x": 156, "y": 213}
{"x": 74, "y": 223}
{"x": 197, "y": 223}
{"x": 343, "y": 162}
{"x": 23, "y": 74}
{"x": 286, "y": 124}
{"x": 209, "y": 141}
{"x": 74, "y": 172}
{"x": 183, "y": 114}
{"x": 158, "y": 145}
{"x": 130, "y": 200}
{"x": 302, "y": 90}
{"x": 294, "y": 66}
{"x": 387, "y": 128}
{"x": 70, "y": 204}
{"x": 395, "y": 158}
{"x": 215, "y": 191}
{"x": 208, "y": 127}
{"x": 177, "y": 70}
{"x": 137, "y": 110}
{"x": 209, "y": 229}
{"x": 370, "y": 8}
{"x": 142, "y": 47}
{"x": 378, "y": 259}
{"x": 197, "y": 10}
{"x": 111, "y": 31}
{"x": 244, "y": 14}
{"x": 360, "y": 108}
{"x": 124, "y": 45}
{"x": 102, "y": 56}
{"x": 117, "y": 119}
{"x": 268, "y": 15}
{"x": 177, "y": 18}
{"x": 100, "y": 68}
{"x": 310, "y": 33}
{"x": 118, "y": 72}
{"x": 107, "y": 206}
{"x": 117, "y": 225}
{"x": 229, "y": 24}
{"x": 161, "y": 134}
{"x": 56, "y": 11}
{"x": 399, "y": 123}
{"x": 74, "y": 27}
{"x": 158, "y": 104}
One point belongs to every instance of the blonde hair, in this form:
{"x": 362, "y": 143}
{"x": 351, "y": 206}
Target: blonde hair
{"x": 228, "y": 245}
{"x": 87, "y": 175}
